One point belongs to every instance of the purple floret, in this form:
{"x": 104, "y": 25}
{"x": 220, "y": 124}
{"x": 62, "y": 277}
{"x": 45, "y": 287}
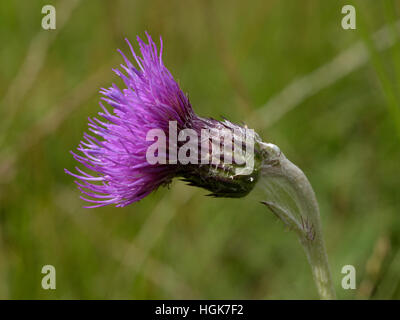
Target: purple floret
{"x": 117, "y": 152}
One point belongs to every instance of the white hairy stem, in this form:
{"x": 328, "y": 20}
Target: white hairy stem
{"x": 291, "y": 198}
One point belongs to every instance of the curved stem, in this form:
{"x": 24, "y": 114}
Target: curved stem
{"x": 291, "y": 197}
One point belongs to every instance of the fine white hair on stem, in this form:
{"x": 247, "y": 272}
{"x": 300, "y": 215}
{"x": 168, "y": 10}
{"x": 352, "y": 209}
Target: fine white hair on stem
{"x": 289, "y": 195}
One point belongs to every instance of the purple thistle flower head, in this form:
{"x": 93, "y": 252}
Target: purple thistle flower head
{"x": 116, "y": 149}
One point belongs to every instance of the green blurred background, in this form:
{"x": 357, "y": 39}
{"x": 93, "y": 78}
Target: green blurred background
{"x": 328, "y": 97}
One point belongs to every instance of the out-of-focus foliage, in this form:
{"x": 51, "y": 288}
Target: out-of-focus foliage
{"x": 231, "y": 57}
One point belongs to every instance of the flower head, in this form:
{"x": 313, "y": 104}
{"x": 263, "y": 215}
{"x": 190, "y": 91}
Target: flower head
{"x": 116, "y": 150}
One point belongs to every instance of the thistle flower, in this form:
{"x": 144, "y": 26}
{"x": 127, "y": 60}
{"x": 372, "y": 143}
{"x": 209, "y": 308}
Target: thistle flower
{"x": 152, "y": 101}
{"x": 116, "y": 155}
